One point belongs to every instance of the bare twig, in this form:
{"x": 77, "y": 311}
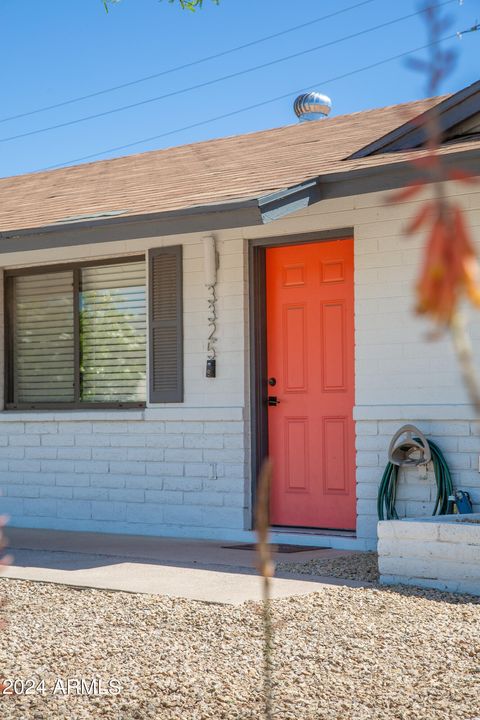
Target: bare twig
{"x": 464, "y": 351}
{"x": 5, "y": 560}
{"x": 266, "y": 569}
{"x": 450, "y": 268}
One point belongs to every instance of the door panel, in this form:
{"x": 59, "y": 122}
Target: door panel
{"x": 310, "y": 353}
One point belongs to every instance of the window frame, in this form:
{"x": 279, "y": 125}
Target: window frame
{"x": 9, "y": 317}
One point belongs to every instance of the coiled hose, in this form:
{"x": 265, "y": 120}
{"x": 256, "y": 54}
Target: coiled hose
{"x": 388, "y": 487}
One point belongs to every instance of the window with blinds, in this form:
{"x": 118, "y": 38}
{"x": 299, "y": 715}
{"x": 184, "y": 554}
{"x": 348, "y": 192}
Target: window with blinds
{"x": 77, "y": 337}
{"x": 113, "y": 333}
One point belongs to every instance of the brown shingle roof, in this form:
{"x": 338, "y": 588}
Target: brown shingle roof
{"x": 215, "y": 171}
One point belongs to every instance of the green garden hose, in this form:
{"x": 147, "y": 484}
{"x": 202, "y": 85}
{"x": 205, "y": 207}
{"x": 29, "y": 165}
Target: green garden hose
{"x": 388, "y": 487}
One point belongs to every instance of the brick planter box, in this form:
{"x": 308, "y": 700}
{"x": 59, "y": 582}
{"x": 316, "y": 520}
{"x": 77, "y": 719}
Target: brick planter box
{"x": 435, "y": 552}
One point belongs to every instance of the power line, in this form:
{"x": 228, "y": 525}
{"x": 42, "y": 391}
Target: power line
{"x": 208, "y": 83}
{"x": 186, "y": 65}
{"x": 251, "y": 107}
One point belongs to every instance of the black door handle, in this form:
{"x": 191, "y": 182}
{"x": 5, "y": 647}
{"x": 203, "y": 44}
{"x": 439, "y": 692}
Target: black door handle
{"x": 273, "y": 400}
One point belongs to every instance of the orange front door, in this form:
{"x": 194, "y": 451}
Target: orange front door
{"x": 310, "y": 356}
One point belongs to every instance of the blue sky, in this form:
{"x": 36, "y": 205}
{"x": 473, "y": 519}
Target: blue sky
{"x": 53, "y": 50}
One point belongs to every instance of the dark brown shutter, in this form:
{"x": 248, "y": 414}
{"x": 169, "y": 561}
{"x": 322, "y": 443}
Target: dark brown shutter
{"x": 166, "y": 324}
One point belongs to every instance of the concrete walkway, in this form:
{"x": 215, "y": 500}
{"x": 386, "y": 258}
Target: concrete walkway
{"x": 196, "y": 570}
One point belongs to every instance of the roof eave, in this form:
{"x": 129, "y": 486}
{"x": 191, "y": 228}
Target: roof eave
{"x": 205, "y": 218}
{"x": 356, "y": 181}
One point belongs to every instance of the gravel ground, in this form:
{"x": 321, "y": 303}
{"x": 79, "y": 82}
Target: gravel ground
{"x": 342, "y": 654}
{"x": 354, "y": 566}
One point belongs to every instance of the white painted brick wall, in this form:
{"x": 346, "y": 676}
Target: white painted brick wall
{"x": 433, "y": 552}
{"x": 399, "y": 378}
{"x": 173, "y": 469}
{"x": 124, "y": 485}
{"x": 395, "y": 363}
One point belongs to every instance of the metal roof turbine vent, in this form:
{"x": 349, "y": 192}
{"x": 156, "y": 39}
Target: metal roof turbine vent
{"x": 312, "y": 106}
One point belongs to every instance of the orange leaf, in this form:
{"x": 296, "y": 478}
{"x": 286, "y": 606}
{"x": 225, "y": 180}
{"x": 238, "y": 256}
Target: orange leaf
{"x": 463, "y": 176}
{"x": 461, "y": 232}
{"x": 426, "y": 162}
{"x": 407, "y": 192}
{"x": 420, "y": 218}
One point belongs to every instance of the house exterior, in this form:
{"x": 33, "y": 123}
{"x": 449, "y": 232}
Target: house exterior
{"x": 109, "y": 420}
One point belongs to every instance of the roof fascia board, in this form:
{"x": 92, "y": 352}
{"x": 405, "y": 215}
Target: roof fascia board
{"x": 450, "y": 112}
{"x": 278, "y": 204}
{"x": 356, "y": 181}
{"x": 388, "y": 177}
{"x": 200, "y": 219}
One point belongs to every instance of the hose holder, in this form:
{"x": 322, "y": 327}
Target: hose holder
{"x": 411, "y": 451}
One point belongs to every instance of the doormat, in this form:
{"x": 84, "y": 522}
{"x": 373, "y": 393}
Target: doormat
{"x": 281, "y": 548}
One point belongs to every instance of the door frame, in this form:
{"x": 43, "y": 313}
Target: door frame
{"x": 258, "y": 340}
